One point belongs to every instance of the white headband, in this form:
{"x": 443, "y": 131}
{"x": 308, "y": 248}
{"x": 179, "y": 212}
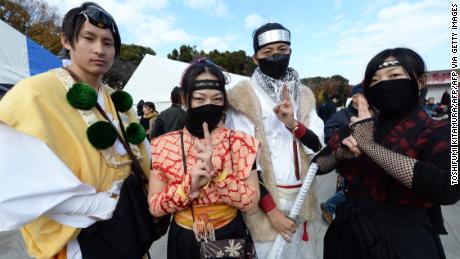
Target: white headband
{"x": 273, "y": 36}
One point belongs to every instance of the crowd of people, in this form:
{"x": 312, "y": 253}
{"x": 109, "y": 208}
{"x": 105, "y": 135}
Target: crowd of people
{"x": 220, "y": 169}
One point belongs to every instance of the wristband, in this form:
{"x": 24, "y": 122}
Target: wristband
{"x": 266, "y": 203}
{"x": 300, "y": 131}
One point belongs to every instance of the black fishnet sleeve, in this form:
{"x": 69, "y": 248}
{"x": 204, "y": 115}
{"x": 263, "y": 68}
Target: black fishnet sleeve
{"x": 400, "y": 167}
{"x": 327, "y": 159}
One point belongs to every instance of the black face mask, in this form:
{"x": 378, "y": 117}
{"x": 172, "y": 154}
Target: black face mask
{"x": 394, "y": 97}
{"x": 275, "y": 65}
{"x": 209, "y": 113}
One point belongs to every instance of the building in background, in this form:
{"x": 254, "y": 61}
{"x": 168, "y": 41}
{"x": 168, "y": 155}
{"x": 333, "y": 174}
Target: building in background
{"x": 438, "y": 82}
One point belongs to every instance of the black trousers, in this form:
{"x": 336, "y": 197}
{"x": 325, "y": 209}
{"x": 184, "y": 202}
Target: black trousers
{"x": 366, "y": 229}
{"x": 183, "y": 245}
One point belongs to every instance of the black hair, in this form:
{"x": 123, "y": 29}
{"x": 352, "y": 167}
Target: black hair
{"x": 408, "y": 59}
{"x": 151, "y": 105}
{"x": 334, "y": 96}
{"x": 74, "y": 20}
{"x": 140, "y": 105}
{"x": 64, "y": 53}
{"x": 175, "y": 95}
{"x": 264, "y": 28}
{"x": 193, "y": 71}
{"x": 445, "y": 99}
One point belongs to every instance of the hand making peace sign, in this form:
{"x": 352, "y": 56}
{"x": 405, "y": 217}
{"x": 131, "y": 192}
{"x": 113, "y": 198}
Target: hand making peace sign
{"x": 284, "y": 110}
{"x": 363, "y": 114}
{"x": 202, "y": 170}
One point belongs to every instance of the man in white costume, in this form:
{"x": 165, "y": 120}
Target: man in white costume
{"x": 279, "y": 111}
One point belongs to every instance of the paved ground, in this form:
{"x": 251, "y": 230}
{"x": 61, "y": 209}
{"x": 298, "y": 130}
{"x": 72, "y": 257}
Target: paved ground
{"x": 11, "y": 243}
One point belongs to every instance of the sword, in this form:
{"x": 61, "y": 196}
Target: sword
{"x": 278, "y": 246}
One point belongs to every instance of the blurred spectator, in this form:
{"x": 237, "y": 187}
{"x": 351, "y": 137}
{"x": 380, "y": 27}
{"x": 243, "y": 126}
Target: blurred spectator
{"x": 148, "y": 119}
{"x": 445, "y": 100}
{"x": 430, "y": 106}
{"x": 328, "y": 108}
{"x": 140, "y": 106}
{"x": 172, "y": 118}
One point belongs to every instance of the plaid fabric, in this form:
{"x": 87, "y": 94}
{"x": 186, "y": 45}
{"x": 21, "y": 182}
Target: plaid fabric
{"x": 417, "y": 136}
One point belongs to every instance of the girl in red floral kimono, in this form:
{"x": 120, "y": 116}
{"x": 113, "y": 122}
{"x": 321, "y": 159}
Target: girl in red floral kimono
{"x": 203, "y": 174}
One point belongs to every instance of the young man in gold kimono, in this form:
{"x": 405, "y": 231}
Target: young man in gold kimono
{"x": 72, "y": 175}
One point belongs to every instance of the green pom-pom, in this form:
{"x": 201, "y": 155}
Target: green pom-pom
{"x": 82, "y": 96}
{"x": 122, "y": 101}
{"x": 101, "y": 135}
{"x": 135, "y": 133}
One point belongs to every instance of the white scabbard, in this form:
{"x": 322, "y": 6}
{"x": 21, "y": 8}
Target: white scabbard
{"x": 279, "y": 244}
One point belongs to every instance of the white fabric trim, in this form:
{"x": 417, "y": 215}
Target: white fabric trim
{"x": 75, "y": 221}
{"x": 33, "y": 179}
{"x": 83, "y": 211}
{"x": 148, "y": 150}
{"x": 73, "y": 250}
{"x": 288, "y": 193}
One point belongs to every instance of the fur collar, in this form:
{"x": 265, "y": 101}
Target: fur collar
{"x": 242, "y": 98}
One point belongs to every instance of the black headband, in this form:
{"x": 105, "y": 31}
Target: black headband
{"x": 207, "y": 84}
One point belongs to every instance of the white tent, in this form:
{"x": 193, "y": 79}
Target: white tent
{"x": 21, "y": 57}
{"x": 155, "y": 77}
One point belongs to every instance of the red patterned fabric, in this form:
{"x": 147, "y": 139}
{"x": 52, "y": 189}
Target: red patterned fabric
{"x": 417, "y": 136}
{"x": 227, "y": 187}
